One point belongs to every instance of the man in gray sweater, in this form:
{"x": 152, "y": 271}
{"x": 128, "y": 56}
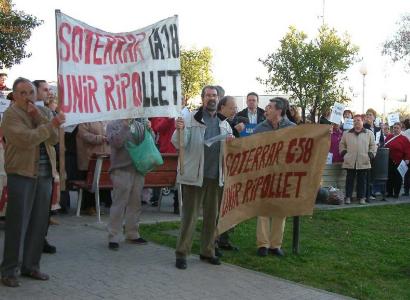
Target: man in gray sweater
{"x": 269, "y": 231}
{"x": 127, "y": 183}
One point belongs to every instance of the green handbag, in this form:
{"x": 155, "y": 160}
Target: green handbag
{"x": 145, "y": 156}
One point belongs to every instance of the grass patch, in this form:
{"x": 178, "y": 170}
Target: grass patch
{"x": 363, "y": 253}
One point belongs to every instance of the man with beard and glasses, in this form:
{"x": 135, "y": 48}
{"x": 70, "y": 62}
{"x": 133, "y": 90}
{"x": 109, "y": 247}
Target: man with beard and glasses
{"x": 202, "y": 179}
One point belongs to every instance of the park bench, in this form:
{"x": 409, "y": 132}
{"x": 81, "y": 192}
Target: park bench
{"x": 98, "y": 178}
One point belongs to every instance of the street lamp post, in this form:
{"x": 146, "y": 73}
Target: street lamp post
{"x": 384, "y": 96}
{"x": 363, "y": 71}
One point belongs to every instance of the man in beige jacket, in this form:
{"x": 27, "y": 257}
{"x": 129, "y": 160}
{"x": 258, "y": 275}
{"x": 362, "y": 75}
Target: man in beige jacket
{"x": 29, "y": 177}
{"x": 357, "y": 148}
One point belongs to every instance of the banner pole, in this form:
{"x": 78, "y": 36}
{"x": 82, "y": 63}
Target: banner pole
{"x": 181, "y": 150}
{"x": 296, "y": 234}
{"x": 61, "y": 144}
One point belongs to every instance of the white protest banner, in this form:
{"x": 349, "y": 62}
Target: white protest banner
{"x": 107, "y": 76}
{"x": 329, "y": 159}
{"x": 348, "y": 124}
{"x": 337, "y": 113}
{"x": 70, "y": 128}
{"x": 393, "y": 118}
{"x": 377, "y": 139}
{"x": 402, "y": 168}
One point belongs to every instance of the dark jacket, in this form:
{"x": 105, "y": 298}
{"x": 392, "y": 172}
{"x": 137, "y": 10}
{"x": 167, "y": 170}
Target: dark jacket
{"x": 235, "y": 121}
{"x": 260, "y": 114}
{"x": 376, "y": 130}
{"x": 323, "y": 120}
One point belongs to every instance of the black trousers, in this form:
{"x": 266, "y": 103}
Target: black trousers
{"x": 407, "y": 182}
{"x": 360, "y": 185}
{"x": 395, "y": 180}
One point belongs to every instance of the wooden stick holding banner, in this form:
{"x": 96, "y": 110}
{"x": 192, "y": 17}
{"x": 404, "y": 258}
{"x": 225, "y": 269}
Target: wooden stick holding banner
{"x": 181, "y": 150}
{"x": 296, "y": 235}
{"x": 61, "y": 144}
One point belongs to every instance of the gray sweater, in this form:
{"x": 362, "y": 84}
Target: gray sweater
{"x": 118, "y": 135}
{"x": 267, "y": 126}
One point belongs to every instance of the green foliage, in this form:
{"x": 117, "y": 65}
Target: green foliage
{"x": 398, "y": 47}
{"x": 195, "y": 71}
{"x": 404, "y": 112}
{"x": 311, "y": 72}
{"x": 358, "y": 252}
{"x": 15, "y": 31}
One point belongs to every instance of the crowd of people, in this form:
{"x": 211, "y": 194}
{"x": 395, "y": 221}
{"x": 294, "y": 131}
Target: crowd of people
{"x": 30, "y": 133}
{"x": 357, "y": 148}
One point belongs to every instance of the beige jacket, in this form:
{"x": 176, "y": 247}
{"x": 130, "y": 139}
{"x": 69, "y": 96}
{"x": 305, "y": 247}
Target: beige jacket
{"x": 357, "y": 148}
{"x": 23, "y": 138}
{"x": 90, "y": 140}
{"x": 194, "y": 132}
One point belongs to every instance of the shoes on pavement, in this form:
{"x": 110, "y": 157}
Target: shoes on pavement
{"x": 138, "y": 241}
{"x": 63, "y": 211}
{"x": 37, "y": 275}
{"x": 154, "y": 203}
{"x": 113, "y": 246}
{"x": 362, "y": 201}
{"x": 53, "y": 221}
{"x": 212, "y": 260}
{"x": 262, "y": 251}
{"x": 90, "y": 211}
{"x": 180, "y": 263}
{"x": 372, "y": 198}
{"x": 276, "y": 252}
{"x": 347, "y": 200}
{"x": 47, "y": 248}
{"x": 10, "y": 281}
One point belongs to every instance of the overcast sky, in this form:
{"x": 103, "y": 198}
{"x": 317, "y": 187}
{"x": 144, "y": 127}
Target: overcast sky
{"x": 239, "y": 33}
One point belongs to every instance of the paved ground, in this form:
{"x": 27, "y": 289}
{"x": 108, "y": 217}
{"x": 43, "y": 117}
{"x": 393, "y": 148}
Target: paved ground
{"x": 84, "y": 268}
{"x": 355, "y": 204}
